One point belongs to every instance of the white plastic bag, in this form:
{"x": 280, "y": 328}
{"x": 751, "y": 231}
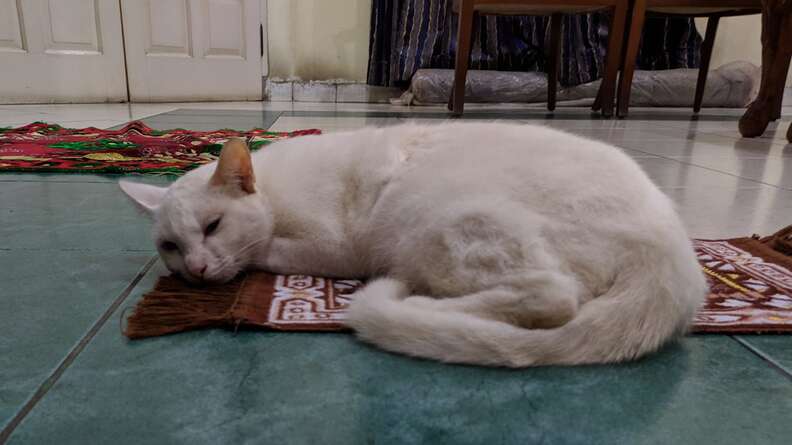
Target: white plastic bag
{"x": 733, "y": 85}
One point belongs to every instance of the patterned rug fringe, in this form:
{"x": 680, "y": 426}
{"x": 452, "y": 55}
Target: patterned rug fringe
{"x": 252, "y": 300}
{"x": 174, "y": 307}
{"x": 780, "y": 241}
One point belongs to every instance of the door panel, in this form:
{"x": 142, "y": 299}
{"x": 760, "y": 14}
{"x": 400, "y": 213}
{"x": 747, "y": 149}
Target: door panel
{"x": 61, "y": 51}
{"x": 193, "y": 49}
{"x": 75, "y": 28}
{"x": 11, "y": 37}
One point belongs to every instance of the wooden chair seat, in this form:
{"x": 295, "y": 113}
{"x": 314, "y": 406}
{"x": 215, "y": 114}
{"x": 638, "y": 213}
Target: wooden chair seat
{"x": 529, "y": 8}
{"x": 700, "y": 12}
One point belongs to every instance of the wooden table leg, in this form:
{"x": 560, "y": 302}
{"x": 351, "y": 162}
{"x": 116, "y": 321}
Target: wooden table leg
{"x": 630, "y": 56}
{"x": 607, "y": 90}
{"x": 456, "y": 102}
{"x": 554, "y": 59}
{"x": 776, "y": 53}
{"x": 706, "y": 56}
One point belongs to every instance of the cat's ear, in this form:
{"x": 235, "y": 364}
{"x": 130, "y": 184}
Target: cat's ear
{"x": 235, "y": 167}
{"x": 147, "y": 197}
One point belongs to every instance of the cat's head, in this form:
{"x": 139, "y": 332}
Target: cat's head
{"x": 210, "y": 222}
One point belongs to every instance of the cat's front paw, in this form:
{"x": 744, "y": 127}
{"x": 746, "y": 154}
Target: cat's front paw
{"x": 385, "y": 287}
{"x": 420, "y": 301}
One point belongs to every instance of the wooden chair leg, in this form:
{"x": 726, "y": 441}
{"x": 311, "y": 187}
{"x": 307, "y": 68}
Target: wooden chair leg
{"x": 464, "y": 37}
{"x": 630, "y": 56}
{"x": 607, "y": 88}
{"x": 706, "y": 56}
{"x": 554, "y": 59}
{"x": 779, "y": 94}
{"x": 597, "y": 105}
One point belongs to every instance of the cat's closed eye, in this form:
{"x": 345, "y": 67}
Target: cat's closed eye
{"x": 211, "y": 227}
{"x": 169, "y": 246}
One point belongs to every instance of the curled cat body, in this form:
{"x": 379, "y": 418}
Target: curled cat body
{"x": 486, "y": 243}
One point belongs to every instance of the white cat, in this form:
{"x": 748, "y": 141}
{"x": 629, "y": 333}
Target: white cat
{"x": 492, "y": 244}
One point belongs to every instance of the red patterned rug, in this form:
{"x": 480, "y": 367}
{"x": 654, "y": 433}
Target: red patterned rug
{"x": 750, "y": 292}
{"x": 135, "y": 148}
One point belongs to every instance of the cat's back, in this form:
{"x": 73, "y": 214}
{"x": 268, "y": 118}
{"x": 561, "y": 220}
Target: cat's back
{"x": 576, "y": 183}
{"x": 438, "y": 162}
{"x": 496, "y": 144}
{"x": 517, "y": 157}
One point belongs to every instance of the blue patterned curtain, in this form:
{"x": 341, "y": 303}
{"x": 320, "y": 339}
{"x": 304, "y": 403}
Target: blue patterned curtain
{"x": 407, "y": 35}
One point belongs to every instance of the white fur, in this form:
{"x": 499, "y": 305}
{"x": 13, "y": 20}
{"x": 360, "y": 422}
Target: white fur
{"x": 496, "y": 244}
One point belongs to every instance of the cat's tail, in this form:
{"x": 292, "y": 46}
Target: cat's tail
{"x": 651, "y": 302}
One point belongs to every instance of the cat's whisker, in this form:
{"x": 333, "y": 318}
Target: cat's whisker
{"x": 228, "y": 258}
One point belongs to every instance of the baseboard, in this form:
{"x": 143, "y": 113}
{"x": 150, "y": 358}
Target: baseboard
{"x": 278, "y": 90}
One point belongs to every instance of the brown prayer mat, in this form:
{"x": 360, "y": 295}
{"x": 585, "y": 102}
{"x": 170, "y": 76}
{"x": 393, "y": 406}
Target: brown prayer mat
{"x": 750, "y": 292}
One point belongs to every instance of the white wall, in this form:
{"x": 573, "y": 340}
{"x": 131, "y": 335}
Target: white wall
{"x": 318, "y": 39}
{"x": 738, "y": 38}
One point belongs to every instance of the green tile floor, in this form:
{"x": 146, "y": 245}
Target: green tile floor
{"x": 74, "y": 255}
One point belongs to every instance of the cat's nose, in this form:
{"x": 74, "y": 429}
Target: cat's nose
{"x": 198, "y": 271}
{"x": 196, "y": 268}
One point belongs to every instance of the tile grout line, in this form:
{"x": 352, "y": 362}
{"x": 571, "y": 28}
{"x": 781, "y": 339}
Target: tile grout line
{"x": 772, "y": 362}
{"x": 772, "y": 141}
{"x": 714, "y": 170}
{"x": 175, "y": 113}
{"x": 50, "y": 381}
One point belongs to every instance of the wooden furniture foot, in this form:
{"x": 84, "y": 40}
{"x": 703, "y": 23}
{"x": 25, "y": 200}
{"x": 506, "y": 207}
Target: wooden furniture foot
{"x": 789, "y": 134}
{"x": 776, "y": 53}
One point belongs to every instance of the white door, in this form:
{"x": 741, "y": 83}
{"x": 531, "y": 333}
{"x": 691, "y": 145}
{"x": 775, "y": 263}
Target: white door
{"x": 61, "y": 51}
{"x": 192, "y": 49}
